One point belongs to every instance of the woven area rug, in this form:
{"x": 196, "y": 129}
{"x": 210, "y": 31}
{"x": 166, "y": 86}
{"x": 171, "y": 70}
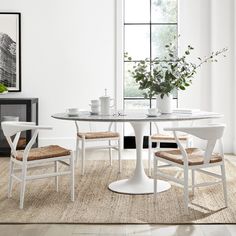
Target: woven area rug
{"x": 94, "y": 203}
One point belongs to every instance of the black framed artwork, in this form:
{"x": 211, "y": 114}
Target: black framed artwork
{"x": 10, "y": 50}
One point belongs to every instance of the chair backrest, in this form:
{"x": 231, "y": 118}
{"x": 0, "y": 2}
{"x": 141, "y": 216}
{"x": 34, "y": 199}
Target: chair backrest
{"x": 160, "y": 127}
{"x": 11, "y": 128}
{"x": 211, "y": 133}
{"x": 208, "y": 132}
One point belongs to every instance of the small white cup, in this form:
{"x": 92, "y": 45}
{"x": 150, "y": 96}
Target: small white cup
{"x": 152, "y": 111}
{"x": 95, "y": 102}
{"x": 94, "y": 105}
{"x": 72, "y": 111}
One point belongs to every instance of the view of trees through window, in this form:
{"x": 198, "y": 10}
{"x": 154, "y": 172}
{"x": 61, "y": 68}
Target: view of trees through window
{"x": 148, "y": 26}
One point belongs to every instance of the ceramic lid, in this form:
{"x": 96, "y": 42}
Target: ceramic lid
{"x": 105, "y": 97}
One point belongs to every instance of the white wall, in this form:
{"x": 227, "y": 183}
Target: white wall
{"x": 234, "y": 84}
{"x": 68, "y": 56}
{"x": 208, "y": 25}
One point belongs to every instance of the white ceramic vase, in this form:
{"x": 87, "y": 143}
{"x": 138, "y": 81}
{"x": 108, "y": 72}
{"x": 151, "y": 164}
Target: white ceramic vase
{"x": 164, "y": 105}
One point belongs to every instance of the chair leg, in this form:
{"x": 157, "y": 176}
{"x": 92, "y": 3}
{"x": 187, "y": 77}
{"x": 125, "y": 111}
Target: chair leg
{"x": 110, "y": 152}
{"x": 83, "y": 156}
{"x": 224, "y": 183}
{"x": 56, "y": 177}
{"x": 149, "y": 154}
{"x": 193, "y": 180}
{"x": 23, "y": 183}
{"x": 119, "y": 154}
{"x": 10, "y": 182}
{"x": 72, "y": 169}
{"x": 186, "y": 197}
{"x": 77, "y": 151}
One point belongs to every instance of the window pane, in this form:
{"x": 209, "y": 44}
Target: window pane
{"x": 137, "y": 41}
{"x": 130, "y": 86}
{"x": 137, "y": 11}
{"x": 137, "y": 104}
{"x": 161, "y": 35}
{"x": 164, "y": 11}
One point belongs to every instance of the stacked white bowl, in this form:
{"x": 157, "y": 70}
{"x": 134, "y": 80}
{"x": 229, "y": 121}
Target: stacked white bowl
{"x": 94, "y": 106}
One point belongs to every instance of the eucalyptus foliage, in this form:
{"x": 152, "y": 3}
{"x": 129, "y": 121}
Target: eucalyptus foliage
{"x": 3, "y": 88}
{"x": 162, "y": 76}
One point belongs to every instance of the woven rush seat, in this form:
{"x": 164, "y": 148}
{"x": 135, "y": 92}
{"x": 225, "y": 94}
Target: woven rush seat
{"x": 44, "y": 153}
{"x": 195, "y": 156}
{"x": 95, "y": 135}
{"x": 183, "y": 137}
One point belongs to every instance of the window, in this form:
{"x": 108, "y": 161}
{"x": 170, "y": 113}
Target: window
{"x": 148, "y": 26}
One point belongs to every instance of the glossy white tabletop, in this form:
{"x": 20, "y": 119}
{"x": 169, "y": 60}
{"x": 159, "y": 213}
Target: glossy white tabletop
{"x": 133, "y": 116}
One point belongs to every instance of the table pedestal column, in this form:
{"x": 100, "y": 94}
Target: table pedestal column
{"x": 139, "y": 183}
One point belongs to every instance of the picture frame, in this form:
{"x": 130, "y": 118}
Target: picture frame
{"x": 10, "y": 50}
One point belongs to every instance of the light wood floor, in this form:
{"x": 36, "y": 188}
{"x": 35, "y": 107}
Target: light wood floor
{"x": 117, "y": 230}
{"x": 121, "y": 229}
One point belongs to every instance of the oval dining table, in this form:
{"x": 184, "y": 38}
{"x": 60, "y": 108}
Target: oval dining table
{"x": 139, "y": 182}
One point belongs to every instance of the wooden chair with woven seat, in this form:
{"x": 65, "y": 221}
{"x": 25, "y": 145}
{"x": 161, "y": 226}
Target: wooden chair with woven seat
{"x": 86, "y": 137}
{"x": 33, "y": 157}
{"x": 193, "y": 159}
{"x": 159, "y": 138}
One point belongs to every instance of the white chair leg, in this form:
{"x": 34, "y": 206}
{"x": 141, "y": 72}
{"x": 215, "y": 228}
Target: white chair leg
{"x": 80, "y": 150}
{"x": 155, "y": 163}
{"x": 23, "y": 183}
{"x": 193, "y": 180}
{"x": 56, "y": 177}
{"x": 186, "y": 197}
{"x": 10, "y": 182}
{"x": 72, "y": 169}
{"x": 119, "y": 154}
{"x": 83, "y": 156}
{"x": 77, "y": 151}
{"x": 110, "y": 152}
{"x": 149, "y": 154}
{"x": 224, "y": 184}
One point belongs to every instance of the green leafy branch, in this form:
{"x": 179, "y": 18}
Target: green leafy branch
{"x": 162, "y": 76}
{"x": 3, "y": 88}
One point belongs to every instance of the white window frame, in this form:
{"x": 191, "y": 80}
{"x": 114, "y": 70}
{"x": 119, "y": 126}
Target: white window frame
{"x": 119, "y": 93}
{"x": 119, "y": 60}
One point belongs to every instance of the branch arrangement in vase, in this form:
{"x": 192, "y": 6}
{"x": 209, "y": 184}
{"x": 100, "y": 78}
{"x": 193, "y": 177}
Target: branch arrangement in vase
{"x": 161, "y": 76}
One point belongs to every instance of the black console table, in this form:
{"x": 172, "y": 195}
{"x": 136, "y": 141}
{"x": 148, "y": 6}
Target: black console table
{"x": 24, "y": 109}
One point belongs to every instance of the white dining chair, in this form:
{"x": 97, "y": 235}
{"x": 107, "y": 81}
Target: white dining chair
{"x": 97, "y": 136}
{"x": 33, "y": 157}
{"x": 160, "y": 137}
{"x": 193, "y": 159}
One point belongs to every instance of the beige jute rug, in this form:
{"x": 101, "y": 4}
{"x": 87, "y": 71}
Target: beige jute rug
{"x": 94, "y": 203}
